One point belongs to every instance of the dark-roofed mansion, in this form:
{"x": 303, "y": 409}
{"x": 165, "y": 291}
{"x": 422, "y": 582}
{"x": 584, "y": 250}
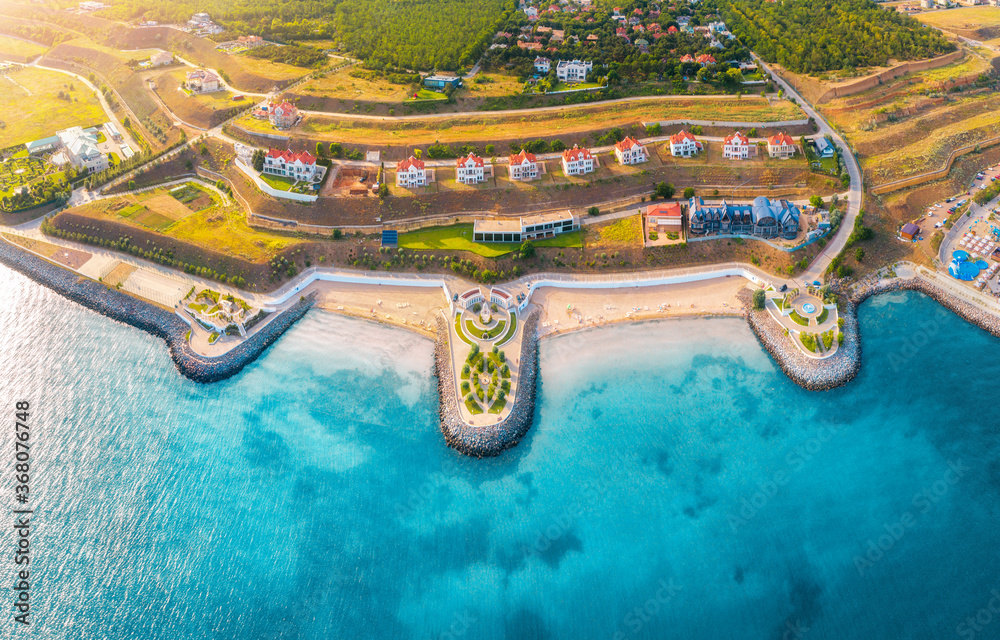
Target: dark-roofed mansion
{"x": 762, "y": 218}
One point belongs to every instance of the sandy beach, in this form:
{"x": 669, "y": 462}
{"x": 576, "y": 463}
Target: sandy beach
{"x": 565, "y": 310}
{"x": 414, "y": 308}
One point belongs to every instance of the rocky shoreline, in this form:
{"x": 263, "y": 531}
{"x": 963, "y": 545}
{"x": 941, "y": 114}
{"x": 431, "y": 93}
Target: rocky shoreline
{"x": 150, "y": 318}
{"x": 808, "y": 373}
{"x": 492, "y": 440}
{"x": 842, "y": 367}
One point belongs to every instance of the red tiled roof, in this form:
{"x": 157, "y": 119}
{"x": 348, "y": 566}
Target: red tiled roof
{"x": 627, "y": 144}
{"x": 303, "y": 156}
{"x": 576, "y": 154}
{"x": 671, "y": 29}
{"x": 687, "y": 58}
{"x": 409, "y": 163}
{"x": 738, "y": 138}
{"x": 476, "y": 160}
{"x": 286, "y": 107}
{"x": 664, "y": 209}
{"x": 780, "y": 139}
{"x": 680, "y": 137}
{"x": 705, "y": 58}
{"x": 520, "y": 158}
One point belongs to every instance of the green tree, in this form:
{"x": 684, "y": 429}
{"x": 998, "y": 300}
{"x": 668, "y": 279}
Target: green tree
{"x": 688, "y": 193}
{"x": 758, "y": 299}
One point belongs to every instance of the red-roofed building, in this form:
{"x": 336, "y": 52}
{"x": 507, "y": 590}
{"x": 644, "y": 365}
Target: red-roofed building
{"x": 781, "y": 146}
{"x": 470, "y": 170}
{"x": 665, "y": 217}
{"x": 283, "y": 115}
{"x": 411, "y": 173}
{"x": 297, "y": 166}
{"x": 684, "y": 145}
{"x": 592, "y": 38}
{"x": 577, "y": 161}
{"x": 687, "y": 58}
{"x": 629, "y": 151}
{"x": 704, "y": 59}
{"x": 671, "y": 29}
{"x": 523, "y": 166}
{"x": 736, "y": 147}
{"x": 530, "y": 46}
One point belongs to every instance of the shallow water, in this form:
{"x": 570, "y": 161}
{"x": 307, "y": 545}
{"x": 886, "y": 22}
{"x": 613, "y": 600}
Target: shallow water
{"x": 675, "y": 485}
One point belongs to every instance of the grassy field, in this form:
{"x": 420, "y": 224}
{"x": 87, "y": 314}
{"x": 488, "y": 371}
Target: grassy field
{"x": 30, "y": 108}
{"x": 577, "y": 119}
{"x": 272, "y": 70}
{"x": 340, "y": 85}
{"x": 971, "y": 22}
{"x": 23, "y": 48}
{"x": 191, "y": 214}
{"x": 280, "y": 183}
{"x": 158, "y": 209}
{"x": 624, "y": 232}
{"x": 459, "y": 238}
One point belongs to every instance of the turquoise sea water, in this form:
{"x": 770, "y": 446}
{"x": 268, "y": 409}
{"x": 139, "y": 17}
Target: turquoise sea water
{"x": 675, "y": 485}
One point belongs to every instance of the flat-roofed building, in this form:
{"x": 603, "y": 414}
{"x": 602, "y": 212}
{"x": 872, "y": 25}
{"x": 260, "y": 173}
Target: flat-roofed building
{"x": 546, "y": 225}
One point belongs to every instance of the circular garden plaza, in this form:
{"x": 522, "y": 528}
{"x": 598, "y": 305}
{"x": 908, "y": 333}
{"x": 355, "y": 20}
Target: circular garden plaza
{"x": 486, "y": 351}
{"x": 809, "y": 318}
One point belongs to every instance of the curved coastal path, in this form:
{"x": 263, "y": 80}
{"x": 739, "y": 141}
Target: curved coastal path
{"x": 836, "y": 244}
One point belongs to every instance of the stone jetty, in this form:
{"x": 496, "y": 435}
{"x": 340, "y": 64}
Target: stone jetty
{"x": 150, "y": 318}
{"x": 839, "y": 369}
{"x": 808, "y": 373}
{"x": 494, "y": 439}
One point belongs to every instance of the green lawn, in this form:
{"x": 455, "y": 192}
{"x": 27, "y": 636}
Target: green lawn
{"x": 42, "y": 113}
{"x": 579, "y": 86}
{"x": 458, "y": 329}
{"x": 281, "y": 183}
{"x": 823, "y": 316}
{"x": 473, "y": 406}
{"x": 498, "y": 405}
{"x": 427, "y": 94}
{"x": 492, "y": 333}
{"x": 458, "y": 237}
{"x": 510, "y": 331}
{"x": 799, "y": 319}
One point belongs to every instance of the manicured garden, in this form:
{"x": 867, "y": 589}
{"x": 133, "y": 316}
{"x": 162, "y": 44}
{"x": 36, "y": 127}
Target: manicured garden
{"x": 494, "y": 367}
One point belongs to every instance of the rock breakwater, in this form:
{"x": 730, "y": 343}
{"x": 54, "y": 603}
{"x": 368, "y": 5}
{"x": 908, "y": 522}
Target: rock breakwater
{"x": 808, "y": 373}
{"x": 150, "y": 318}
{"x": 494, "y": 439}
{"x": 842, "y": 367}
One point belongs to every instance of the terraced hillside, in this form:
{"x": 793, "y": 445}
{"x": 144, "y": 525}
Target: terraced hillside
{"x": 912, "y": 124}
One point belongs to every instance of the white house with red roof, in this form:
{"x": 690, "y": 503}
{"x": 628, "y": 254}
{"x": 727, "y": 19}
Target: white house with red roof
{"x": 283, "y": 115}
{"x": 684, "y": 145}
{"x": 781, "y": 146}
{"x": 736, "y": 147}
{"x": 297, "y": 166}
{"x": 202, "y": 81}
{"x": 664, "y": 217}
{"x": 542, "y": 65}
{"x": 470, "y": 170}
{"x": 577, "y": 161}
{"x": 629, "y": 151}
{"x": 523, "y": 166}
{"x": 411, "y": 173}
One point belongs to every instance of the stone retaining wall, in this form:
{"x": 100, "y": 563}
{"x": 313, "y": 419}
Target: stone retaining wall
{"x": 490, "y": 440}
{"x": 150, "y": 318}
